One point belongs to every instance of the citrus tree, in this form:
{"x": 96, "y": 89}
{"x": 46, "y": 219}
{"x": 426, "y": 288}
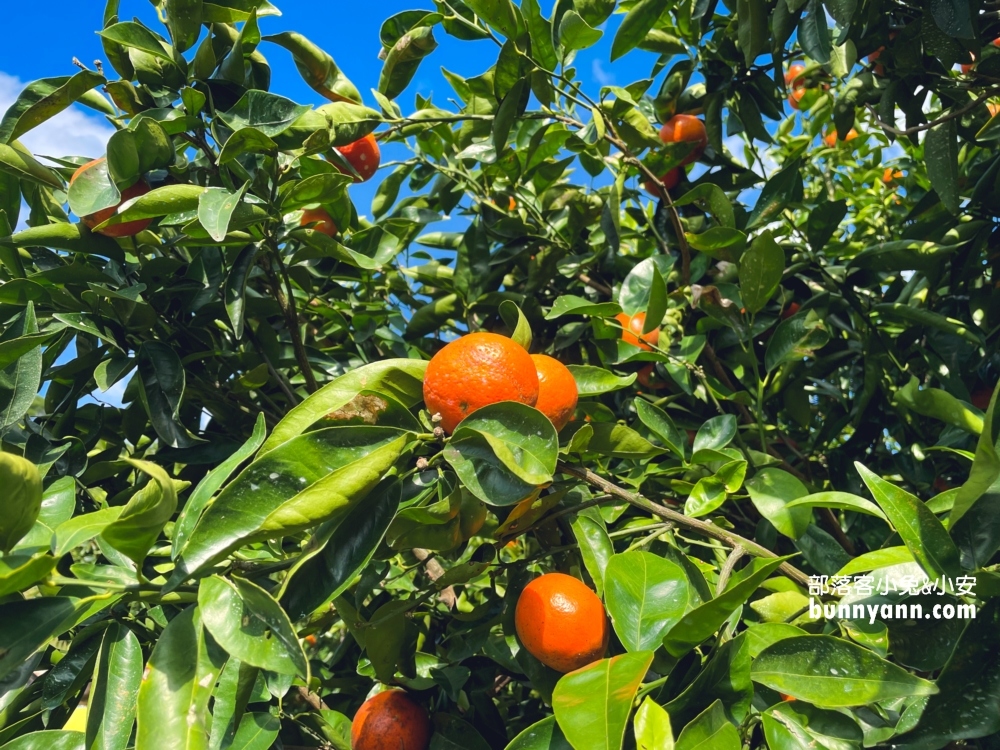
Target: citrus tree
{"x": 729, "y": 499}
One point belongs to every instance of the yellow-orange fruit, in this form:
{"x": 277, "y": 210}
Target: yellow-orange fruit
{"x": 129, "y": 228}
{"x": 321, "y": 221}
{"x": 557, "y": 391}
{"x": 363, "y": 155}
{"x": 632, "y": 330}
{"x": 477, "y": 370}
{"x": 561, "y": 622}
{"x": 687, "y": 129}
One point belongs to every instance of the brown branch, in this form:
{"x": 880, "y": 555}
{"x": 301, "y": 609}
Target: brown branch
{"x": 595, "y": 285}
{"x": 727, "y": 568}
{"x": 287, "y": 305}
{"x": 933, "y": 123}
{"x": 705, "y": 529}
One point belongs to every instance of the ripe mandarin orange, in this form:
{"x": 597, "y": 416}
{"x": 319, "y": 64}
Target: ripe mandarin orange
{"x": 129, "y": 228}
{"x": 793, "y": 76}
{"x": 321, "y": 220}
{"x": 632, "y": 330}
{"x": 557, "y": 392}
{"x": 687, "y": 129}
{"x": 830, "y": 139}
{"x": 391, "y": 720}
{"x": 669, "y": 180}
{"x": 561, "y": 622}
{"x": 477, "y": 370}
{"x": 363, "y": 155}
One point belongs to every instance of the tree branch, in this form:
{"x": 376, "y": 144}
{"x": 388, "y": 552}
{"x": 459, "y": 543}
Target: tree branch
{"x": 933, "y": 123}
{"x": 705, "y": 529}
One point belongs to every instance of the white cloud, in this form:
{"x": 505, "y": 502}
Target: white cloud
{"x": 72, "y": 132}
{"x": 603, "y": 77}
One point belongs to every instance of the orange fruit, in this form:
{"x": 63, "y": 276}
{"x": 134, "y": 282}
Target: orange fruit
{"x": 790, "y": 311}
{"x": 391, "y": 720}
{"x": 879, "y": 68}
{"x": 993, "y": 108}
{"x": 363, "y": 155}
{"x": 669, "y": 180}
{"x": 561, "y": 622}
{"x": 889, "y": 175}
{"x": 686, "y": 129}
{"x": 477, "y": 370}
{"x": 322, "y": 221}
{"x": 557, "y": 392}
{"x": 996, "y": 42}
{"x": 830, "y": 139}
{"x": 967, "y": 67}
{"x": 793, "y": 76}
{"x": 129, "y": 228}
{"x": 648, "y": 378}
{"x": 632, "y": 330}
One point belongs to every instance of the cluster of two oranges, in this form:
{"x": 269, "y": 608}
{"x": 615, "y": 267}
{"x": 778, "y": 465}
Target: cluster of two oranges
{"x": 480, "y": 369}
{"x": 680, "y": 129}
{"x": 362, "y": 155}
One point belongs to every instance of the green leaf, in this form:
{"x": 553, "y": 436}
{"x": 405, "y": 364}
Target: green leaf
{"x": 403, "y": 60}
{"x": 780, "y": 190}
{"x": 575, "y": 33}
{"x": 215, "y": 210}
{"x": 544, "y": 735}
{"x": 753, "y": 34}
{"x": 386, "y": 636}
{"x": 721, "y": 243}
{"x": 726, "y": 677}
{"x": 795, "y": 338}
{"x": 968, "y": 688}
{"x": 646, "y": 596}
{"x": 172, "y": 708}
{"x": 939, "y": 404}
{"x": 662, "y": 426}
{"x": 401, "y": 379}
{"x": 517, "y": 322}
{"x": 136, "y": 36}
{"x": 568, "y": 304}
{"x": 169, "y": 199}
{"x": 316, "y": 67}
{"x": 250, "y": 625}
{"x": 208, "y": 486}
{"x": 18, "y": 572}
{"x": 47, "y": 740}
{"x": 306, "y": 481}
{"x": 139, "y": 525}
{"x": 921, "y": 531}
{"x": 839, "y": 500}
{"x": 710, "y": 730}
{"x": 21, "y": 380}
{"x": 25, "y": 625}
{"x": 704, "y": 620}
{"x": 833, "y": 673}
{"x": 339, "y": 551}
{"x": 184, "y": 22}
{"x": 79, "y": 529}
{"x": 117, "y": 675}
{"x": 794, "y": 725}
{"x": 257, "y": 731}
{"x": 771, "y": 491}
{"x": 268, "y": 113}
{"x": 941, "y": 157}
{"x": 652, "y": 727}
{"x": 761, "y": 269}
{"x": 636, "y": 24}
{"x": 540, "y": 31}
{"x": 595, "y": 545}
{"x": 708, "y": 494}
{"x": 44, "y": 99}
{"x": 236, "y": 287}
{"x": 246, "y": 141}
{"x": 715, "y": 433}
{"x": 320, "y": 188}
{"x": 593, "y": 381}
{"x": 21, "y": 164}
{"x": 879, "y": 558}
{"x": 592, "y": 704}
{"x": 22, "y": 499}
{"x": 814, "y": 34}
{"x": 915, "y": 316}
{"x": 499, "y": 14}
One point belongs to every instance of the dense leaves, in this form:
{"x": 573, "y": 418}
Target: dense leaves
{"x": 228, "y": 519}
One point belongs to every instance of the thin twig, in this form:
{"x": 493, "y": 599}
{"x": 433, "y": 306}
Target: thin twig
{"x": 933, "y": 123}
{"x": 706, "y": 529}
{"x": 727, "y": 568}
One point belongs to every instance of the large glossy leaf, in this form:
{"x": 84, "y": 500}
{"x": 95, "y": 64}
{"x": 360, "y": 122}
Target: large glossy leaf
{"x": 169, "y": 199}
{"x": 662, "y": 426}
{"x": 941, "y": 157}
{"x": 400, "y": 378}
{"x": 652, "y": 727}
{"x": 795, "y": 339}
{"x": 704, "y": 620}
{"x": 771, "y": 491}
{"x": 19, "y": 571}
{"x": 636, "y": 25}
{"x": 139, "y": 524}
{"x": 44, "y": 99}
{"x": 839, "y": 500}
{"x": 23, "y": 499}
{"x": 831, "y": 672}
{"x": 646, "y": 595}
{"x": 308, "y": 480}
{"x": 592, "y": 704}
{"x": 939, "y": 404}
{"x": 501, "y": 450}
{"x": 799, "y": 726}
{"x": 208, "y": 486}
{"x": 761, "y": 268}
{"x": 545, "y": 735}
{"x": 595, "y": 545}
{"x": 921, "y": 531}
{"x": 317, "y": 67}
{"x": 80, "y": 529}
{"x": 969, "y": 688}
{"x": 250, "y": 625}
{"x": 710, "y": 730}
{"x": 112, "y": 706}
{"x": 26, "y": 625}
{"x": 48, "y": 740}
{"x": 715, "y": 433}
{"x": 593, "y": 381}
{"x": 725, "y": 678}
{"x": 339, "y": 551}
{"x": 20, "y": 381}
{"x": 269, "y": 113}
{"x": 404, "y": 58}
{"x": 172, "y": 708}
{"x": 257, "y": 731}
